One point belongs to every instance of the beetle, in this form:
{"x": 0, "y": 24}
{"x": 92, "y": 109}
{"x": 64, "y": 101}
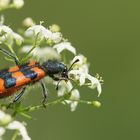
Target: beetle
{"x": 17, "y": 78}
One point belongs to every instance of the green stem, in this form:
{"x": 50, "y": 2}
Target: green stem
{"x": 14, "y": 135}
{"x": 12, "y": 51}
{"x": 29, "y": 109}
{"x": 33, "y": 108}
{"x": 34, "y": 46}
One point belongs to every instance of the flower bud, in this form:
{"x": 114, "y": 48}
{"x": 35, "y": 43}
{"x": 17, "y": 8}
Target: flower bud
{"x": 54, "y": 28}
{"x": 4, "y": 118}
{"x": 18, "y": 3}
{"x": 96, "y": 104}
{"x": 4, "y": 3}
{"x": 27, "y": 22}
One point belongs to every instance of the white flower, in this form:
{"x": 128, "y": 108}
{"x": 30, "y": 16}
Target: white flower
{"x": 65, "y": 46}
{"x": 56, "y": 37}
{"x": 82, "y": 76}
{"x": 5, "y": 29}
{"x": 94, "y": 83}
{"x": 15, "y": 125}
{"x": 6, "y": 121}
{"x": 36, "y": 29}
{"x": 39, "y": 30}
{"x": 7, "y": 34}
{"x": 18, "y": 3}
{"x": 27, "y": 22}
{"x": 75, "y": 96}
{"x": 44, "y": 33}
{"x": 64, "y": 87}
{"x": 43, "y": 53}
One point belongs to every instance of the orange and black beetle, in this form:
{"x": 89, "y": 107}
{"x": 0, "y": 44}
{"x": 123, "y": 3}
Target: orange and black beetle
{"x": 18, "y": 77}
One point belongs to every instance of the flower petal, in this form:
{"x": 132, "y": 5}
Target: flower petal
{"x": 73, "y": 105}
{"x": 65, "y": 46}
{"x": 95, "y": 83}
{"x": 75, "y": 95}
{"x": 19, "y": 39}
{"x": 64, "y": 87}
{"x": 73, "y": 101}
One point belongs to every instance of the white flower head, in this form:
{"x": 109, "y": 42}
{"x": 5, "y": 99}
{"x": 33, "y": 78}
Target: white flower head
{"x": 15, "y": 125}
{"x": 18, "y": 3}
{"x": 7, "y": 34}
{"x": 65, "y": 46}
{"x": 44, "y": 33}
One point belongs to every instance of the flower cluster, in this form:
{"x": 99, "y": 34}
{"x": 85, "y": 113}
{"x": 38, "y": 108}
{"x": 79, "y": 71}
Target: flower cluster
{"x": 53, "y": 48}
{"x": 7, "y": 123}
{"x": 8, "y": 36}
{"x": 49, "y": 43}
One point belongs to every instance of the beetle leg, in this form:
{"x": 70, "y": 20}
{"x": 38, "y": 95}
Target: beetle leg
{"x": 17, "y": 98}
{"x": 10, "y": 55}
{"x": 19, "y": 95}
{"x": 44, "y": 92}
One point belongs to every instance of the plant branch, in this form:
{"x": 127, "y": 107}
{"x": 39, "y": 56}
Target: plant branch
{"x": 33, "y": 47}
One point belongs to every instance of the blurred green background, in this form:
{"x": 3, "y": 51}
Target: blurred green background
{"x": 107, "y": 32}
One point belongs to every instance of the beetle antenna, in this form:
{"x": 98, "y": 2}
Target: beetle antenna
{"x": 73, "y": 64}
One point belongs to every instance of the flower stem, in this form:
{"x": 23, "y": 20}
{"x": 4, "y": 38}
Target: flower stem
{"x": 32, "y": 108}
{"x": 33, "y": 47}
{"x": 14, "y": 135}
{"x": 60, "y": 100}
{"x": 12, "y": 51}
